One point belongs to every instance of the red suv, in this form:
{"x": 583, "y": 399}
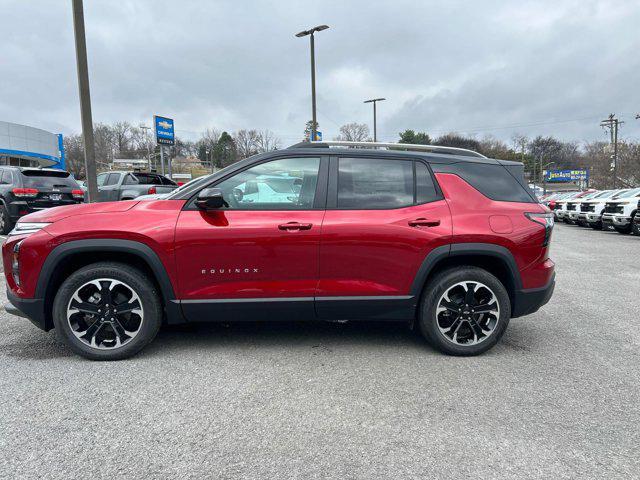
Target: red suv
{"x": 443, "y": 239}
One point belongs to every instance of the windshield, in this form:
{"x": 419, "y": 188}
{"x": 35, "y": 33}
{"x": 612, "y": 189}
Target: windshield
{"x": 47, "y": 180}
{"x": 606, "y": 193}
{"x": 629, "y": 193}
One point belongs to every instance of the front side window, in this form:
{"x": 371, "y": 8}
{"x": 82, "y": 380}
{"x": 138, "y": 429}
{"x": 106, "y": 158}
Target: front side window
{"x": 285, "y": 184}
{"x": 112, "y": 179}
{"x": 101, "y": 178}
{"x": 367, "y": 183}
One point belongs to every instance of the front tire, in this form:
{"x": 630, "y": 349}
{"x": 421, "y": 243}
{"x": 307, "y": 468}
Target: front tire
{"x": 624, "y": 230}
{"x": 464, "y": 311}
{"x": 107, "y": 311}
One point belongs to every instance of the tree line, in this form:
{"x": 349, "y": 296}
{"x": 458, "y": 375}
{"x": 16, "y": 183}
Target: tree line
{"x": 221, "y": 148}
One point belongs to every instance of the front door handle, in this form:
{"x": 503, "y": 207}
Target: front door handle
{"x": 423, "y": 222}
{"x": 295, "y": 226}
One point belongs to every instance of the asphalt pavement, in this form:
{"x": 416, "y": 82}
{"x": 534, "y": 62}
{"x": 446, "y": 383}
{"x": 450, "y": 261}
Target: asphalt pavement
{"x": 557, "y": 398}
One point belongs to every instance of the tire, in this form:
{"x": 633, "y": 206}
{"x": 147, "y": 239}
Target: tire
{"x": 432, "y": 322}
{"x": 636, "y": 228}
{"x": 596, "y": 226}
{"x": 6, "y": 225}
{"x": 624, "y": 230}
{"x": 110, "y": 337}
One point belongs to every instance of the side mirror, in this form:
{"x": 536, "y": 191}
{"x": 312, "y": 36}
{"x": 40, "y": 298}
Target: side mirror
{"x": 210, "y": 199}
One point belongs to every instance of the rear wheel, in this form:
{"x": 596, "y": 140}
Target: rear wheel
{"x": 6, "y": 225}
{"x": 107, "y": 311}
{"x": 464, "y": 311}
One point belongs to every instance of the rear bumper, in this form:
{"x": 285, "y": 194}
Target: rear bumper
{"x": 31, "y": 308}
{"x": 530, "y": 300}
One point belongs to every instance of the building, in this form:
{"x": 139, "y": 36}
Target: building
{"x": 25, "y": 146}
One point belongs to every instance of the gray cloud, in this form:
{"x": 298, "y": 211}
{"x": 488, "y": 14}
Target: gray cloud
{"x": 491, "y": 67}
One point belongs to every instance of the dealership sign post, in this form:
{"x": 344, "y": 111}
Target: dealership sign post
{"x": 165, "y": 135}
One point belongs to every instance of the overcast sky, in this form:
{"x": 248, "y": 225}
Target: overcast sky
{"x": 476, "y": 67}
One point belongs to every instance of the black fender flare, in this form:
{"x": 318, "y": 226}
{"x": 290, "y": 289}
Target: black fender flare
{"x": 457, "y": 249}
{"x": 141, "y": 250}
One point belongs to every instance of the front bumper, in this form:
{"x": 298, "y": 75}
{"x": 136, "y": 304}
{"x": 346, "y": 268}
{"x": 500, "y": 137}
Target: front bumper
{"x": 574, "y": 215}
{"x": 530, "y": 300}
{"x": 616, "y": 220}
{"x": 593, "y": 217}
{"x": 31, "y": 308}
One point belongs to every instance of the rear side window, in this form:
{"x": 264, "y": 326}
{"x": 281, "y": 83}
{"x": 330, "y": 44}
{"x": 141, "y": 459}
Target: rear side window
{"x": 425, "y": 188}
{"x": 47, "y": 179}
{"x": 146, "y": 179}
{"x": 6, "y": 178}
{"x": 493, "y": 181}
{"x": 365, "y": 183}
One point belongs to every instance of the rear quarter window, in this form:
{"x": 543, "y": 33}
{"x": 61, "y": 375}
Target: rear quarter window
{"x": 496, "y": 182}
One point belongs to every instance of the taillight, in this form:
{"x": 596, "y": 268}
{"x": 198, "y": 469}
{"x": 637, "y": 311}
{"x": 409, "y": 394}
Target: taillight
{"x": 25, "y": 192}
{"x": 544, "y": 219}
{"x": 552, "y": 205}
{"x": 77, "y": 194}
{"x": 151, "y": 191}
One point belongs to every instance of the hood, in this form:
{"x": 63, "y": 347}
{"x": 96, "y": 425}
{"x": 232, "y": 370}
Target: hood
{"x": 54, "y": 214}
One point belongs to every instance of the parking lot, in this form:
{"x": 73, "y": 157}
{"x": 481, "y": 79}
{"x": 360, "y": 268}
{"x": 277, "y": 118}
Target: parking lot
{"x": 557, "y": 398}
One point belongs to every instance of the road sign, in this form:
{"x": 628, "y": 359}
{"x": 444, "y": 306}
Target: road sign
{"x": 318, "y": 136}
{"x": 165, "y": 134}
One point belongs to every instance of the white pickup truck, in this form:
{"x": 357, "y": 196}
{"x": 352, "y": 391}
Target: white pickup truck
{"x": 619, "y": 213}
{"x": 591, "y": 210}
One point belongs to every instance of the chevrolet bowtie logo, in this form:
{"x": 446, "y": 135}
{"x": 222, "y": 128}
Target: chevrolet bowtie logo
{"x": 164, "y": 124}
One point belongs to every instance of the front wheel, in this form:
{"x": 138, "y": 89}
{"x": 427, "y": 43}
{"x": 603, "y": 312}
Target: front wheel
{"x": 107, "y": 311}
{"x": 624, "y": 230}
{"x": 464, "y": 311}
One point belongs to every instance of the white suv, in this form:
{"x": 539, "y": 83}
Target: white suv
{"x": 591, "y": 211}
{"x": 573, "y": 208}
{"x": 619, "y": 212}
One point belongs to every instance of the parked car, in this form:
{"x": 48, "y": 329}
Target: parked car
{"x": 574, "y": 207}
{"x": 619, "y": 213}
{"x": 26, "y": 190}
{"x": 129, "y": 185}
{"x": 591, "y": 210}
{"x": 561, "y": 212}
{"x": 453, "y": 243}
{"x": 158, "y": 196}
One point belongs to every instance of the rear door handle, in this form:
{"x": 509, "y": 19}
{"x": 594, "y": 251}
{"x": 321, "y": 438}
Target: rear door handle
{"x": 295, "y": 226}
{"x": 423, "y": 222}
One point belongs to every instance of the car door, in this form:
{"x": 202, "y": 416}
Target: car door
{"x": 109, "y": 189}
{"x": 384, "y": 216}
{"x": 258, "y": 257}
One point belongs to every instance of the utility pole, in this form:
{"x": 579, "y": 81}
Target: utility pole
{"x": 304, "y": 33}
{"x": 374, "y": 101}
{"x": 85, "y": 101}
{"x": 145, "y": 128}
{"x": 612, "y": 123}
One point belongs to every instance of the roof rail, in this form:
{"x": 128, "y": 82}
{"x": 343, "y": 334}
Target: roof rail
{"x": 390, "y": 145}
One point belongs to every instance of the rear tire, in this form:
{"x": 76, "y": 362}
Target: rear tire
{"x": 458, "y": 329}
{"x": 6, "y": 225}
{"x": 107, "y": 311}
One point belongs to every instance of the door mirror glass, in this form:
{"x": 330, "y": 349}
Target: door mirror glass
{"x": 210, "y": 199}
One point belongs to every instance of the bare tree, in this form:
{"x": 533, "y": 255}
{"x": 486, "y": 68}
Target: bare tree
{"x": 246, "y": 142}
{"x": 354, "y": 132}
{"x": 267, "y": 141}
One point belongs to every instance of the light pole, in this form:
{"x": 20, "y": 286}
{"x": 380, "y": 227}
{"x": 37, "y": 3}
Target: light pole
{"x": 374, "y": 101}
{"x": 304, "y": 33}
{"x": 544, "y": 177}
{"x": 145, "y": 128}
{"x": 85, "y": 101}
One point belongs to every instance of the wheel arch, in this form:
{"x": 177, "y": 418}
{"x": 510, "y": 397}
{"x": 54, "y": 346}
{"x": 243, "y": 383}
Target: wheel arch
{"x": 496, "y": 259}
{"x": 71, "y": 256}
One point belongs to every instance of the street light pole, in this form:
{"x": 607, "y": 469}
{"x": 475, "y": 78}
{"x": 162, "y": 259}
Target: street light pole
{"x": 145, "y": 128}
{"x": 374, "y": 101}
{"x": 85, "y": 101}
{"x": 304, "y": 33}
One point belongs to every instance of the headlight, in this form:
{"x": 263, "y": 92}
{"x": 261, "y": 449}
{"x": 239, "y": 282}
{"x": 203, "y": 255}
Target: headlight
{"x": 23, "y": 228}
